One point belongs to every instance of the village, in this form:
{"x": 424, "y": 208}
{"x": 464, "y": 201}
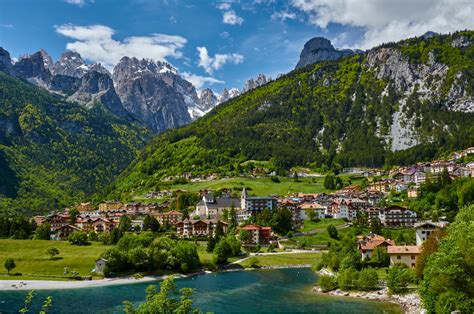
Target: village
{"x": 215, "y": 210}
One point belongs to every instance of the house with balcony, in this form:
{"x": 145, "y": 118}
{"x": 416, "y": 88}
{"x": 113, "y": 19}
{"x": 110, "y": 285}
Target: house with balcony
{"x": 259, "y": 234}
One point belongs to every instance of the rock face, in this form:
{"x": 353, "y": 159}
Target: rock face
{"x": 33, "y": 68}
{"x": 259, "y": 81}
{"x": 5, "y": 61}
{"x": 99, "y": 87}
{"x": 228, "y": 94}
{"x": 320, "y": 49}
{"x": 153, "y": 92}
{"x": 207, "y": 99}
{"x": 72, "y": 64}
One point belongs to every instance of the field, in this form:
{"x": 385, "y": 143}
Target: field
{"x": 282, "y": 259}
{"x": 33, "y": 263}
{"x": 321, "y": 224}
{"x": 263, "y": 186}
{"x": 318, "y": 239}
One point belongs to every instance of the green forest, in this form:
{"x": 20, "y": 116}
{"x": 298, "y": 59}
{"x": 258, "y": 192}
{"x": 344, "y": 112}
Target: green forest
{"x": 325, "y": 116}
{"x": 54, "y": 153}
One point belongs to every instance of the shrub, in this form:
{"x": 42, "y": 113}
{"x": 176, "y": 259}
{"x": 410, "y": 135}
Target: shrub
{"x": 368, "y": 279}
{"x": 332, "y": 231}
{"x": 52, "y": 252}
{"x": 78, "y": 238}
{"x": 275, "y": 179}
{"x": 327, "y": 283}
{"x": 399, "y": 276}
{"x": 347, "y": 279}
{"x": 9, "y": 264}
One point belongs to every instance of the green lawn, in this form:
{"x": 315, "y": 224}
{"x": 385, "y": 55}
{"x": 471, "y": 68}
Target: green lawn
{"x": 32, "y": 261}
{"x": 317, "y": 239}
{"x": 283, "y": 259}
{"x": 263, "y": 186}
{"x": 322, "y": 224}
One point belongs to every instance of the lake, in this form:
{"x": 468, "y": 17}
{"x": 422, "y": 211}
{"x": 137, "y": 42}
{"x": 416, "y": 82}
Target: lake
{"x": 262, "y": 291}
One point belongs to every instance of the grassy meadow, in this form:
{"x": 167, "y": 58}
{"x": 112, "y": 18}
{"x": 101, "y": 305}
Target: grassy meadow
{"x": 322, "y": 224}
{"x": 282, "y": 259}
{"x": 33, "y": 262}
{"x": 261, "y": 186}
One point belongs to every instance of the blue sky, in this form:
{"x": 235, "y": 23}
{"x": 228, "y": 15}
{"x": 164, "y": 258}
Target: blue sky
{"x": 218, "y": 44}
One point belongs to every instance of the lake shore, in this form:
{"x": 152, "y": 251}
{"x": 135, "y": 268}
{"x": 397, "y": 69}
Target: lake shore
{"x": 58, "y": 285}
{"x": 409, "y": 302}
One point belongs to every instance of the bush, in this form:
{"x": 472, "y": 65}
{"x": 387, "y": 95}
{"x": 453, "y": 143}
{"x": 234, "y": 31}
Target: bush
{"x": 52, "y": 252}
{"x": 327, "y": 283}
{"x": 368, "y": 279}
{"x": 332, "y": 231}
{"x": 399, "y": 276}
{"x": 275, "y": 179}
{"x": 9, "y": 264}
{"x": 78, "y": 238}
{"x": 347, "y": 279}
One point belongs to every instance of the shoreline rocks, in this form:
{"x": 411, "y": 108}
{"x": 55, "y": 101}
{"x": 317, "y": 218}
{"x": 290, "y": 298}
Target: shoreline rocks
{"x": 410, "y": 302}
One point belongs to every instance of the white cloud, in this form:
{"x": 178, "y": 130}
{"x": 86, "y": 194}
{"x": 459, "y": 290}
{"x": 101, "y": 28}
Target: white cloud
{"x": 388, "y": 20}
{"x": 76, "y": 2}
{"x": 210, "y": 64}
{"x": 283, "y": 15}
{"x": 223, "y": 6}
{"x": 200, "y": 81}
{"x": 6, "y": 25}
{"x": 95, "y": 43}
{"x": 230, "y": 17}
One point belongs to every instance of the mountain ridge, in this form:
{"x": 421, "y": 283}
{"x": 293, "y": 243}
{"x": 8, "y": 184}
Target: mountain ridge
{"x": 397, "y": 103}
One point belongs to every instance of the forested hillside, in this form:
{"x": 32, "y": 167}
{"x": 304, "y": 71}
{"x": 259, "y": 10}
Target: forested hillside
{"x": 52, "y": 152}
{"x": 395, "y": 104}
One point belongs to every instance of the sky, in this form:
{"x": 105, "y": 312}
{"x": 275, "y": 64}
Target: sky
{"x": 218, "y": 43}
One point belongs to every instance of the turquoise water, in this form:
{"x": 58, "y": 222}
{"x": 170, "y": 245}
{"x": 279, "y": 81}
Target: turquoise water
{"x": 263, "y": 291}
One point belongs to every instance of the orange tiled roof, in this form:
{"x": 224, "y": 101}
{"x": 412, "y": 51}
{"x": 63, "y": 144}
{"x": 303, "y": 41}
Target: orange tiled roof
{"x": 404, "y": 249}
{"x": 372, "y": 244}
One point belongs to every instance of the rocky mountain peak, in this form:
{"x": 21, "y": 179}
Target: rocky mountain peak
{"x": 254, "y": 83}
{"x": 228, "y": 94}
{"x": 320, "y": 49}
{"x": 71, "y": 64}
{"x": 96, "y": 86}
{"x": 33, "y": 68}
{"x": 143, "y": 66}
{"x": 5, "y": 61}
{"x": 47, "y": 60}
{"x": 154, "y": 92}
{"x": 207, "y": 99}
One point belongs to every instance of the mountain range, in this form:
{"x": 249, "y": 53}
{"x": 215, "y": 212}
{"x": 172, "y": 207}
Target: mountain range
{"x": 70, "y": 129}
{"x": 398, "y": 103}
{"x": 151, "y": 92}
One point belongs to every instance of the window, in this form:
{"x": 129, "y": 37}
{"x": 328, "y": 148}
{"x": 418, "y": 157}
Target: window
{"x": 413, "y": 257}
{"x": 399, "y": 257}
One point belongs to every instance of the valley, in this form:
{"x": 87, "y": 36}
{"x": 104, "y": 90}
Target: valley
{"x": 166, "y": 157}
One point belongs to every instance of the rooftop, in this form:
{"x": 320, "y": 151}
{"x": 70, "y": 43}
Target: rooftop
{"x": 404, "y": 249}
